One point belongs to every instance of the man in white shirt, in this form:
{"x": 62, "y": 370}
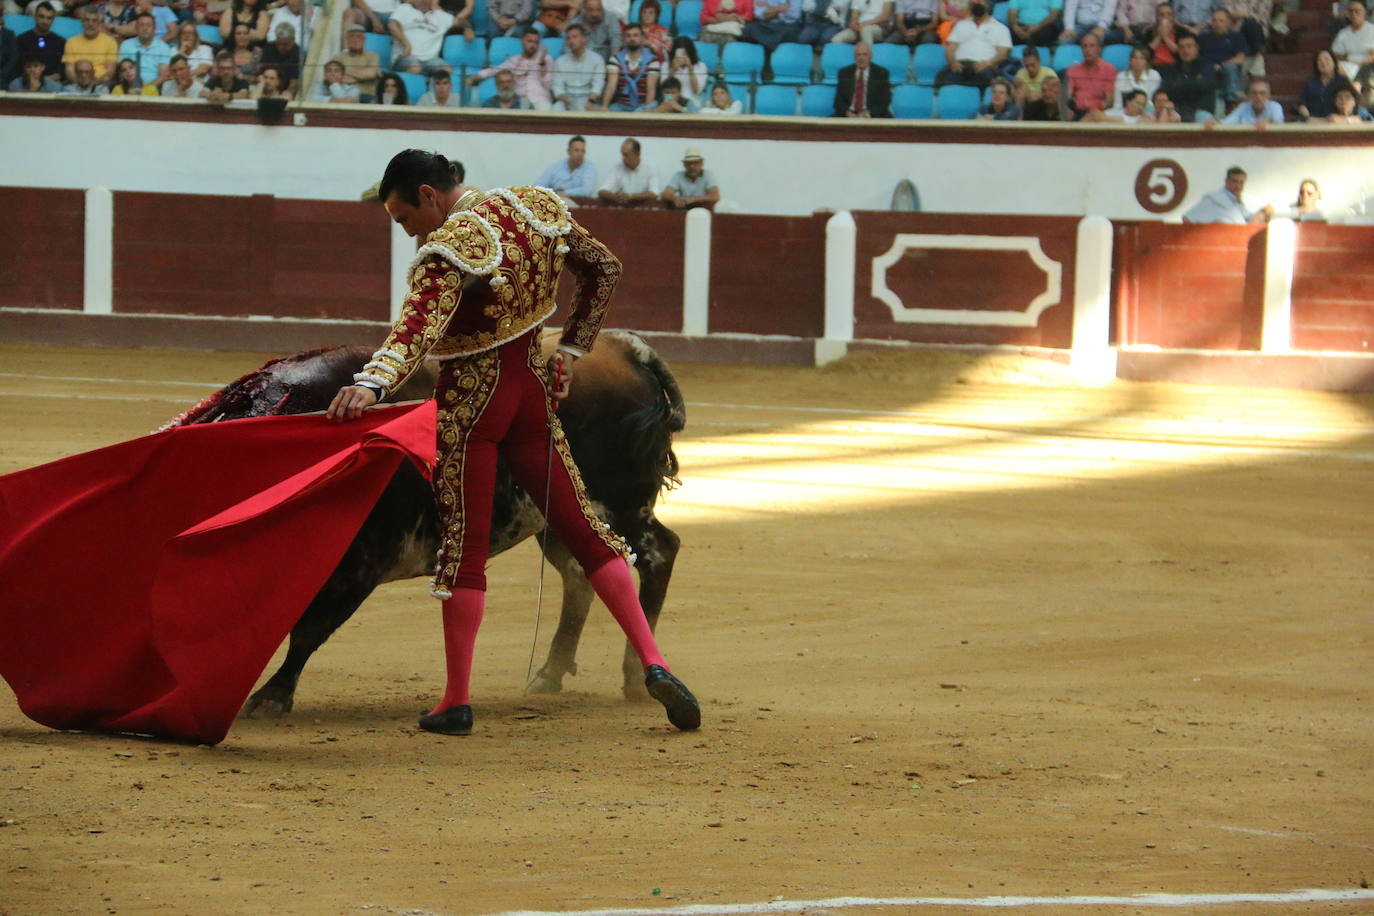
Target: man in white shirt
{"x": 579, "y": 75}
{"x": 631, "y": 182}
{"x": 976, "y": 48}
{"x": 869, "y": 21}
{"x": 1226, "y": 205}
{"x": 300, "y": 24}
{"x": 417, "y": 30}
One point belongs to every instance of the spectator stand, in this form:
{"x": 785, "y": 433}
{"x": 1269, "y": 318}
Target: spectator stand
{"x": 913, "y": 102}
{"x": 66, "y": 27}
{"x": 834, "y": 56}
{"x": 957, "y": 103}
{"x": 688, "y": 18}
{"x": 792, "y": 64}
{"x": 774, "y": 99}
{"x": 928, "y": 61}
{"x": 817, "y": 101}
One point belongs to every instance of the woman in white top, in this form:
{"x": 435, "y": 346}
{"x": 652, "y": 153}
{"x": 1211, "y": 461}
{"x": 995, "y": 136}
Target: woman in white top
{"x": 721, "y": 103}
{"x": 196, "y": 52}
{"x": 684, "y": 64}
{"x": 1308, "y": 207}
{"x": 1138, "y": 75}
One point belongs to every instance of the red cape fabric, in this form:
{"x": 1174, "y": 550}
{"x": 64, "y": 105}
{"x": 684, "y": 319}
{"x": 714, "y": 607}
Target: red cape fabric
{"x": 145, "y": 586}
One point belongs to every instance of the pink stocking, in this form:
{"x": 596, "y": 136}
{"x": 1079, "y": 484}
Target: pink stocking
{"x": 462, "y": 617}
{"x": 615, "y": 586}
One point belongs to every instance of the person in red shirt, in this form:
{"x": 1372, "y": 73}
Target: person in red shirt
{"x": 1092, "y": 82}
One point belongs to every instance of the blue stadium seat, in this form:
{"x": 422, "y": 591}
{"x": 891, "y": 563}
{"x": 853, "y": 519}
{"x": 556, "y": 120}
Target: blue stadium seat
{"x": 634, "y": 10}
{"x": 742, "y": 61}
{"x": 210, "y": 35}
{"x": 818, "y": 101}
{"x": 776, "y": 100}
{"x": 553, "y": 45}
{"x": 416, "y": 85}
{"x": 482, "y": 91}
{"x": 912, "y": 101}
{"x": 666, "y": 14}
{"x": 469, "y": 56}
{"x": 791, "y": 63}
{"x": 501, "y": 48}
{"x": 688, "y": 18}
{"x": 1065, "y": 56}
{"x": 66, "y": 26}
{"x": 896, "y": 59}
{"x": 999, "y": 11}
{"x": 381, "y": 44}
{"x": 709, "y": 55}
{"x": 18, "y": 23}
{"x": 956, "y": 103}
{"x": 929, "y": 61}
{"x": 833, "y": 57}
{"x": 740, "y": 93}
{"x": 1118, "y": 55}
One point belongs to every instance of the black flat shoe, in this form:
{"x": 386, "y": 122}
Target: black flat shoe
{"x": 456, "y": 720}
{"x": 682, "y": 707}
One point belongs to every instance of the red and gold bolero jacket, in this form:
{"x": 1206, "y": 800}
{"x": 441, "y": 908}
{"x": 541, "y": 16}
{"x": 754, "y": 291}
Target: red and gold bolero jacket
{"x": 488, "y": 275}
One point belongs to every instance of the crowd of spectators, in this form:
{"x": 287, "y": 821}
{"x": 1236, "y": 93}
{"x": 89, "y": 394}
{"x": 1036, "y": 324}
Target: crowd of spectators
{"x": 631, "y": 182}
{"x": 148, "y": 49}
{"x": 1038, "y": 60}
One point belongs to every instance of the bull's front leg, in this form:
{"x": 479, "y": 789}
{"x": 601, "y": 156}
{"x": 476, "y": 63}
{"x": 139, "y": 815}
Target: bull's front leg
{"x": 335, "y": 603}
{"x": 656, "y": 551}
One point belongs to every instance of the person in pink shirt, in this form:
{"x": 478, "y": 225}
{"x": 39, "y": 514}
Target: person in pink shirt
{"x": 1092, "y": 82}
{"x": 533, "y": 69}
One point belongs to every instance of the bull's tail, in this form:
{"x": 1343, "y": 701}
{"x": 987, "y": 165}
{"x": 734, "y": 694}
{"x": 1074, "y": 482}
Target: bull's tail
{"x": 650, "y": 429}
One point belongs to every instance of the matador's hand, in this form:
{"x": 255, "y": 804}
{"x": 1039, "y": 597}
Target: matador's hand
{"x": 560, "y": 375}
{"x": 350, "y": 403}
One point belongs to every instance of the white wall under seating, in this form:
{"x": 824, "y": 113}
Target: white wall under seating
{"x": 961, "y": 169}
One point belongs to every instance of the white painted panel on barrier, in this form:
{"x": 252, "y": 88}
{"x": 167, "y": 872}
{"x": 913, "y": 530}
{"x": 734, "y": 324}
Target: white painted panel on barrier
{"x": 904, "y": 242}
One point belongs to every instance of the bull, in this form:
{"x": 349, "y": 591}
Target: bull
{"x": 620, "y": 418}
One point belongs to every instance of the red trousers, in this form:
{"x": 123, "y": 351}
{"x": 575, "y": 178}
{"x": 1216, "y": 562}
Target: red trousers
{"x": 497, "y": 403}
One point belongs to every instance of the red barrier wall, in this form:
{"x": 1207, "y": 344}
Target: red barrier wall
{"x": 42, "y": 257}
{"x": 207, "y": 255}
{"x": 967, "y": 277}
{"x": 767, "y": 275}
{"x": 1189, "y": 286}
{"x": 649, "y": 244}
{"x": 1333, "y": 288}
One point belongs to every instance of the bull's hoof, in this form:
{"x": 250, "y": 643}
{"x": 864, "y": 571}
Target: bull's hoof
{"x": 634, "y": 690}
{"x": 272, "y": 702}
{"x": 542, "y": 682}
{"x": 456, "y": 720}
{"x": 681, "y": 706}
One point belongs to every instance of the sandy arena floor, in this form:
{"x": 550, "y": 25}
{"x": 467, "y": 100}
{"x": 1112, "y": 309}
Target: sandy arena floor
{"x": 955, "y": 637}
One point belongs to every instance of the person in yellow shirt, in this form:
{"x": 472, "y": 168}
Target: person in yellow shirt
{"x": 93, "y": 44}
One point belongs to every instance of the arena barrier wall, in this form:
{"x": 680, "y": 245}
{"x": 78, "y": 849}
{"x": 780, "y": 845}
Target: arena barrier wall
{"x": 1130, "y": 299}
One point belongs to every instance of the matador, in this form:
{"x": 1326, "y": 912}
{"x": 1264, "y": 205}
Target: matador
{"x": 481, "y": 286}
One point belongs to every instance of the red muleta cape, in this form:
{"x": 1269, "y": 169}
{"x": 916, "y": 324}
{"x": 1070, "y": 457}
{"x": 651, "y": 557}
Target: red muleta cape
{"x": 144, "y": 586}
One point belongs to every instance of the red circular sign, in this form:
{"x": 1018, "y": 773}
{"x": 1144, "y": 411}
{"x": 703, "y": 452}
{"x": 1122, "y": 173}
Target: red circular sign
{"x": 1161, "y": 185}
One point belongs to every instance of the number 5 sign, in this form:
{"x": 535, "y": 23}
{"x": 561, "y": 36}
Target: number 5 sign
{"x": 1161, "y": 185}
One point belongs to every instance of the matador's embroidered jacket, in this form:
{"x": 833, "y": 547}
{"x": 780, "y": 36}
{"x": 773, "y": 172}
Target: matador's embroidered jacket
{"x": 489, "y": 274}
